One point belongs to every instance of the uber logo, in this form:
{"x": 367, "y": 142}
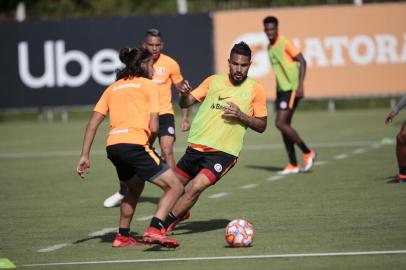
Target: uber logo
{"x": 101, "y": 67}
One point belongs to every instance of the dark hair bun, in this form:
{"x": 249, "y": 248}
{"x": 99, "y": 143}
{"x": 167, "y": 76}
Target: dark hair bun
{"x": 124, "y": 55}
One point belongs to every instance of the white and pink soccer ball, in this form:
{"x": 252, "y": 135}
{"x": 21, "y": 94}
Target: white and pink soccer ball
{"x": 239, "y": 233}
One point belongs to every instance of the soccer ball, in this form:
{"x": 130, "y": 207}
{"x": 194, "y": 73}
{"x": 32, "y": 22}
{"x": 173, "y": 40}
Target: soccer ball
{"x": 239, "y": 233}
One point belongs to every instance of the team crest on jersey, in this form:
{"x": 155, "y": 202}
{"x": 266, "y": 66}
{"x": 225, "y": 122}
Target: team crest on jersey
{"x": 218, "y": 167}
{"x": 171, "y": 130}
{"x": 283, "y": 105}
{"x": 160, "y": 70}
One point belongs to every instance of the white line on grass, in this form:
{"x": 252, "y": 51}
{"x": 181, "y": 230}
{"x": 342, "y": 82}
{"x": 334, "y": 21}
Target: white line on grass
{"x": 70, "y": 153}
{"x": 276, "y": 256}
{"x": 144, "y": 218}
{"x": 218, "y": 195}
{"x": 52, "y": 248}
{"x": 341, "y": 156}
{"x": 358, "y": 151}
{"x": 102, "y": 232}
{"x": 275, "y": 177}
{"x": 249, "y": 186}
{"x": 321, "y": 163}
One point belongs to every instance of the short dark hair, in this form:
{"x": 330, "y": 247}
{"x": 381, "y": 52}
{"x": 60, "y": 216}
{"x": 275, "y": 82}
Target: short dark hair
{"x": 241, "y": 48}
{"x": 153, "y": 32}
{"x": 271, "y": 19}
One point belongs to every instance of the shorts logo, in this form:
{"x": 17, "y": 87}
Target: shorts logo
{"x": 171, "y": 130}
{"x": 218, "y": 167}
{"x": 283, "y": 105}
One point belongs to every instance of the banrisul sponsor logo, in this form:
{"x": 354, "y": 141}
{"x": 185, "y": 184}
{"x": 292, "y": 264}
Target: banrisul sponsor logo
{"x": 217, "y": 106}
{"x": 100, "y": 67}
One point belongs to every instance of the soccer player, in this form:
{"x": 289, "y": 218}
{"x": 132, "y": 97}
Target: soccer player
{"x": 400, "y": 142}
{"x": 230, "y": 103}
{"x": 289, "y": 67}
{"x": 128, "y": 145}
{"x": 167, "y": 71}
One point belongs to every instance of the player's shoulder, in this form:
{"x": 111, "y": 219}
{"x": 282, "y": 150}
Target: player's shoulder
{"x": 257, "y": 86}
{"x": 167, "y": 59}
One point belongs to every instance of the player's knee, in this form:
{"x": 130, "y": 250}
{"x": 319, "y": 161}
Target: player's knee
{"x": 167, "y": 152}
{"x": 401, "y": 137}
{"x": 281, "y": 125}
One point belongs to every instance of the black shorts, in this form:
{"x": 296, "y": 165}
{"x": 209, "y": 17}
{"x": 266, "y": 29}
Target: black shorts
{"x": 213, "y": 164}
{"x": 166, "y": 125}
{"x": 136, "y": 160}
{"x": 286, "y": 100}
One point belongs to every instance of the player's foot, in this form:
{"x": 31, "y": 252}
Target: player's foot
{"x": 155, "y": 236}
{"x": 125, "y": 241}
{"x": 308, "y": 160}
{"x": 172, "y": 226}
{"x": 113, "y": 200}
{"x": 400, "y": 178}
{"x": 289, "y": 169}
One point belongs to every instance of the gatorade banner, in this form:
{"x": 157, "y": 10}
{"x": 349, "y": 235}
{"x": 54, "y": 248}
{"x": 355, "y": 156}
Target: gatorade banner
{"x": 350, "y": 50}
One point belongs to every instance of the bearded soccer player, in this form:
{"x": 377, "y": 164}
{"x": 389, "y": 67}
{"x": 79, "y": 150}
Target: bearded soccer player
{"x": 289, "y": 67}
{"x": 166, "y": 73}
{"x": 229, "y": 104}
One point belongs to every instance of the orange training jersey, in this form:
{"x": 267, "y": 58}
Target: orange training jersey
{"x": 129, "y": 103}
{"x": 166, "y": 72}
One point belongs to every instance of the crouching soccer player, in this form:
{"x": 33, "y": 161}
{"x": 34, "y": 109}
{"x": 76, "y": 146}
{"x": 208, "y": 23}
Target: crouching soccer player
{"x": 230, "y": 103}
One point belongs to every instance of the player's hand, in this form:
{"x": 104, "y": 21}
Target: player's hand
{"x": 232, "y": 110}
{"x": 83, "y": 166}
{"x": 184, "y": 88}
{"x": 185, "y": 124}
{"x": 389, "y": 118}
{"x": 300, "y": 92}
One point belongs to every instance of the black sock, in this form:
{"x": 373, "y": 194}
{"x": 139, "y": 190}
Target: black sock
{"x": 292, "y": 158}
{"x": 123, "y": 189}
{"x": 156, "y": 223}
{"x": 402, "y": 170}
{"x": 170, "y": 219}
{"x": 304, "y": 148}
{"x": 124, "y": 231}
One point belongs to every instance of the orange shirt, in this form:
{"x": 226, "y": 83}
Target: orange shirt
{"x": 167, "y": 71}
{"x": 129, "y": 103}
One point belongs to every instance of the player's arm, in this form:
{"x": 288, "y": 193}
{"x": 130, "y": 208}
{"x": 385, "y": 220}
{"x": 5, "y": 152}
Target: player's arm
{"x": 153, "y": 96}
{"x": 184, "y": 87}
{"x": 302, "y": 72}
{"x": 91, "y": 129}
{"x": 298, "y": 57}
{"x": 402, "y": 103}
{"x": 257, "y": 124}
{"x": 153, "y": 127}
{"x": 188, "y": 97}
{"x": 186, "y": 100}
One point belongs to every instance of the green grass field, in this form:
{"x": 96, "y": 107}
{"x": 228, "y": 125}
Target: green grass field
{"x": 304, "y": 221}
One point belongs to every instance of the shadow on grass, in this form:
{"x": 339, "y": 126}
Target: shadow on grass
{"x": 266, "y": 168}
{"x": 189, "y": 227}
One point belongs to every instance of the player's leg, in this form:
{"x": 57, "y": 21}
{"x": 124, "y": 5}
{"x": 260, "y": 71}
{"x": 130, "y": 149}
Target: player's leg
{"x": 282, "y": 122}
{"x": 200, "y": 170}
{"x": 127, "y": 210}
{"x": 401, "y": 153}
{"x": 167, "y": 138}
{"x": 135, "y": 185}
{"x": 173, "y": 188}
{"x": 166, "y": 144}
